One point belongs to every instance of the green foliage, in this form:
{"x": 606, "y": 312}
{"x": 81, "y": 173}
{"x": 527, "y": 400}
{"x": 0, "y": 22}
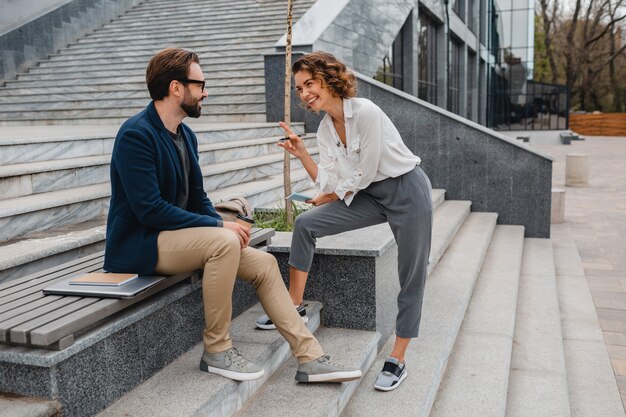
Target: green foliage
{"x": 277, "y": 218}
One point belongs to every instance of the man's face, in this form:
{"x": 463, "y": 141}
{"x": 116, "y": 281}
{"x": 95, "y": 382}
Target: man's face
{"x": 194, "y": 93}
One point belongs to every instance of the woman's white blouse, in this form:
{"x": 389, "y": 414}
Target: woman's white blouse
{"x": 374, "y": 150}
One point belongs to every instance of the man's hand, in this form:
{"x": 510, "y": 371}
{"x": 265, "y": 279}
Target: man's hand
{"x": 323, "y": 198}
{"x": 242, "y": 233}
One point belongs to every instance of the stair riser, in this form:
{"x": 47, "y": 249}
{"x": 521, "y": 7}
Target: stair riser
{"x": 46, "y": 151}
{"x": 51, "y": 218}
{"x": 221, "y": 118}
{"x": 106, "y": 85}
{"x": 135, "y": 75}
{"x": 221, "y": 44}
{"x": 24, "y": 185}
{"x": 203, "y": 53}
{"x": 240, "y": 176}
{"x": 212, "y": 64}
{"x": 244, "y": 152}
{"x": 105, "y": 103}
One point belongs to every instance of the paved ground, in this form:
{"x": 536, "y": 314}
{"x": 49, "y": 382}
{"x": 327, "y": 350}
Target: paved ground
{"x": 596, "y": 218}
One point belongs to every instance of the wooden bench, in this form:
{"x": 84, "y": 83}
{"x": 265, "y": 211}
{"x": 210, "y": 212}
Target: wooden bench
{"x": 31, "y": 318}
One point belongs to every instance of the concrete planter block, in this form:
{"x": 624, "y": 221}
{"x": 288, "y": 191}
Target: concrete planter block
{"x": 557, "y": 214}
{"x": 576, "y": 170}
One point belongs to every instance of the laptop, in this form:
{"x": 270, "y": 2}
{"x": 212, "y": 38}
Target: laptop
{"x": 128, "y": 290}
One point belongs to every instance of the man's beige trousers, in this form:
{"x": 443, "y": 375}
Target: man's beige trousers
{"x": 218, "y": 252}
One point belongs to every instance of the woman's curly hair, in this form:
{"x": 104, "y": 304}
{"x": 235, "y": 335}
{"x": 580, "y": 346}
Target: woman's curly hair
{"x": 330, "y": 71}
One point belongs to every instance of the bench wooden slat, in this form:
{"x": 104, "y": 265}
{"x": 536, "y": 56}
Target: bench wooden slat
{"x": 21, "y": 301}
{"x": 36, "y": 275}
{"x": 39, "y": 286}
{"x": 79, "y": 320}
{"x": 7, "y": 325}
{"x": 8, "y": 292}
{"x": 14, "y": 312}
{"x": 21, "y": 333}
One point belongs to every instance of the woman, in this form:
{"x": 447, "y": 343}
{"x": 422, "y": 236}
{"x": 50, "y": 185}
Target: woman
{"x": 366, "y": 176}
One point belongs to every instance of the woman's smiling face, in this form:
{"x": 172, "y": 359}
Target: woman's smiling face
{"x": 312, "y": 92}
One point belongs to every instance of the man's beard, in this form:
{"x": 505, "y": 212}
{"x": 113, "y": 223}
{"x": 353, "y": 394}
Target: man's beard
{"x": 191, "y": 106}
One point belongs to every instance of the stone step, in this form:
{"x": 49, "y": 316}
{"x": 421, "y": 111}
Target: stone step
{"x": 119, "y": 69}
{"x": 21, "y": 95}
{"x": 212, "y": 103}
{"x": 477, "y": 375}
{"x": 207, "y": 59}
{"x": 206, "y": 32}
{"x": 591, "y": 383}
{"x": 17, "y": 406}
{"x": 220, "y": 44}
{"x": 21, "y": 145}
{"x": 538, "y": 380}
{"x": 45, "y": 211}
{"x": 447, "y": 294}
{"x": 35, "y": 252}
{"x": 40, "y": 177}
{"x": 248, "y": 170}
{"x": 352, "y": 348}
{"x": 180, "y": 389}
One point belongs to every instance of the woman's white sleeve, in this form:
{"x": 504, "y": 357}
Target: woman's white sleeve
{"x": 369, "y": 126}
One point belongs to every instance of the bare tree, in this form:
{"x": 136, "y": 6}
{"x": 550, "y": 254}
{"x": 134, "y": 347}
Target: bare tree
{"x": 287, "y": 119}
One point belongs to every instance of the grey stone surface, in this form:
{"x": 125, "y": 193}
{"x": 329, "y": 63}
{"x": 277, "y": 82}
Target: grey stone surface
{"x": 15, "y": 406}
{"x": 111, "y": 359}
{"x": 282, "y": 395}
{"x": 180, "y": 389}
{"x": 538, "y": 380}
{"x": 477, "y": 375}
{"x": 448, "y": 291}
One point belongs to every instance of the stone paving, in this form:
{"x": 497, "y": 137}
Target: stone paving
{"x": 596, "y": 218}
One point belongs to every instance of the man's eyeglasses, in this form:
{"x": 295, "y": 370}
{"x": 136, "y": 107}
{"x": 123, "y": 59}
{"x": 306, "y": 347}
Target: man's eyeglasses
{"x": 202, "y": 83}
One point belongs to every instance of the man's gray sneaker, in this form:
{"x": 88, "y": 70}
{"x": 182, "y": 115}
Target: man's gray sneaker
{"x": 230, "y": 364}
{"x": 391, "y": 376}
{"x": 322, "y": 370}
{"x": 265, "y": 323}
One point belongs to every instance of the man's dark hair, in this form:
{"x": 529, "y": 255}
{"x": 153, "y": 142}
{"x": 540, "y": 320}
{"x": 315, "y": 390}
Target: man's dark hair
{"x": 168, "y": 65}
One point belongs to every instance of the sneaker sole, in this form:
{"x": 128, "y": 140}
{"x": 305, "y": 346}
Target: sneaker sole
{"x": 272, "y": 326}
{"x": 331, "y": 377}
{"x": 237, "y": 376}
{"x": 394, "y": 386}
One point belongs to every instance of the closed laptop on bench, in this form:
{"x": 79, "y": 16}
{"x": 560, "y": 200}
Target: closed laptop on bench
{"x": 127, "y": 290}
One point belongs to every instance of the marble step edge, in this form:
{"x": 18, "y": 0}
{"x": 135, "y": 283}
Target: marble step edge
{"x": 30, "y": 135}
{"x": 181, "y": 38}
{"x": 37, "y": 202}
{"x": 482, "y": 352}
{"x": 143, "y": 14}
{"x": 351, "y": 348}
{"x": 248, "y": 117}
{"x": 215, "y": 77}
{"x": 181, "y": 389}
{"x": 102, "y": 36}
{"x": 252, "y": 162}
{"x": 124, "y": 108}
{"x": 249, "y": 61}
{"x": 593, "y": 389}
{"x": 447, "y": 294}
{"x": 226, "y": 101}
{"x": 28, "y": 168}
{"x": 538, "y": 383}
{"x": 266, "y": 42}
{"x": 53, "y": 243}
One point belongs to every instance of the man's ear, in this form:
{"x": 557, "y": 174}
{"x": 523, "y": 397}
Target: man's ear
{"x": 176, "y": 88}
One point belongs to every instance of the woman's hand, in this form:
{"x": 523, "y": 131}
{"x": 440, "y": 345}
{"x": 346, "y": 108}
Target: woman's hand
{"x": 294, "y": 145}
{"x": 323, "y": 198}
{"x": 242, "y": 233}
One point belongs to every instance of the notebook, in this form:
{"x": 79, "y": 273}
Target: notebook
{"x": 128, "y": 290}
{"x": 103, "y": 278}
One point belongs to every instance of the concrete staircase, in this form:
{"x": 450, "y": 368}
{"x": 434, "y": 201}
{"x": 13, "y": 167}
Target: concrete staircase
{"x": 491, "y": 343}
{"x": 100, "y": 79}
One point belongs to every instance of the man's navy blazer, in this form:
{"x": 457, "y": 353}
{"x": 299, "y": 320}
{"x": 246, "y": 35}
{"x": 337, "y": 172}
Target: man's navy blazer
{"x": 146, "y": 177}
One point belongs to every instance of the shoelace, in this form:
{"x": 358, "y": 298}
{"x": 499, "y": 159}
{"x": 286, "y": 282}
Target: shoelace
{"x": 326, "y": 359}
{"x": 236, "y": 357}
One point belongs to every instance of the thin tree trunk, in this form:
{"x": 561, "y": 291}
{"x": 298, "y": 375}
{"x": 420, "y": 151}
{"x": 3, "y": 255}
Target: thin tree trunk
{"x": 287, "y": 119}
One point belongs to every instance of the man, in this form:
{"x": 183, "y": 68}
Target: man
{"x": 162, "y": 222}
